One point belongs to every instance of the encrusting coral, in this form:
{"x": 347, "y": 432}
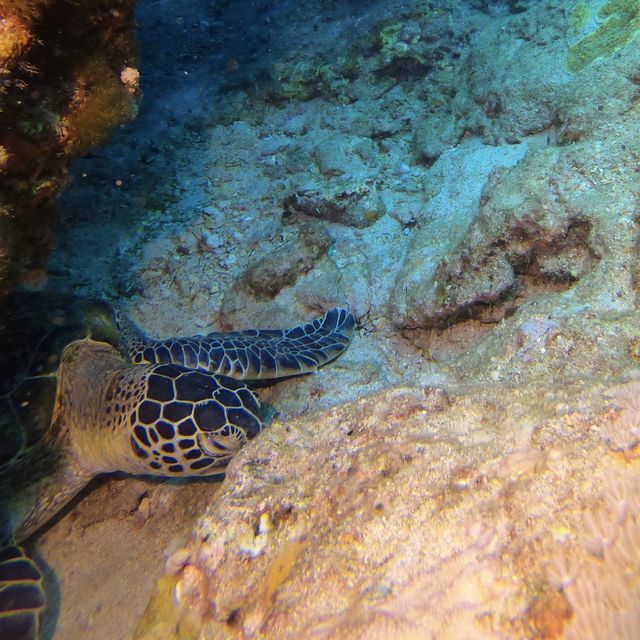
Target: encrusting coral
{"x": 603, "y": 591}
{"x": 600, "y": 576}
{"x": 622, "y": 430}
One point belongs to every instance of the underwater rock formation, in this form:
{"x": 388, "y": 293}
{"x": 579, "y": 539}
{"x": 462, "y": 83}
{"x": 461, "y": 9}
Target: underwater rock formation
{"x": 357, "y": 205}
{"x": 68, "y": 76}
{"x": 415, "y": 513}
{"x": 267, "y": 277}
{"x": 532, "y": 227}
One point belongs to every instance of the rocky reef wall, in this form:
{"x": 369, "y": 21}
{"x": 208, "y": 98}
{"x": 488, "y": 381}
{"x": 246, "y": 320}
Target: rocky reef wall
{"x": 67, "y": 77}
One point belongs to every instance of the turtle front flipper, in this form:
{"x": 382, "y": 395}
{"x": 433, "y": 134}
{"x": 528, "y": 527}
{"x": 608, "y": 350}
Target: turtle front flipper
{"x": 22, "y": 597}
{"x": 254, "y": 354}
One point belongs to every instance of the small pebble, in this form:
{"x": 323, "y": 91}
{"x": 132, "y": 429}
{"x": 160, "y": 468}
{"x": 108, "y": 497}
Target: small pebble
{"x": 402, "y": 169}
{"x": 212, "y": 240}
{"x": 178, "y": 560}
{"x": 144, "y": 508}
{"x": 191, "y": 585}
{"x": 211, "y": 211}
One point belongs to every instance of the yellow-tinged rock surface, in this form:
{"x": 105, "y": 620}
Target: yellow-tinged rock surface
{"x": 417, "y": 513}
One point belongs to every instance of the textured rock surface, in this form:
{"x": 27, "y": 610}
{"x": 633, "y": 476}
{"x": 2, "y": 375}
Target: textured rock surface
{"x": 435, "y": 135}
{"x": 556, "y": 221}
{"x": 266, "y": 277}
{"x": 357, "y": 205}
{"x": 412, "y": 514}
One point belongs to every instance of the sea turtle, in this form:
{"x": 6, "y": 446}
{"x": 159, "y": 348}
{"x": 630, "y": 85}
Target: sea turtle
{"x": 83, "y": 392}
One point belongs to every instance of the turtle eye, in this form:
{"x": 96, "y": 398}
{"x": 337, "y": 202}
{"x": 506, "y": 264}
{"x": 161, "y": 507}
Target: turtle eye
{"x": 241, "y": 418}
{"x": 222, "y": 443}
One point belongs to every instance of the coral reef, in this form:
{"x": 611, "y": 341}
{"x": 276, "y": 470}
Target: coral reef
{"x": 439, "y": 170}
{"x": 58, "y": 97}
{"x": 601, "y": 577}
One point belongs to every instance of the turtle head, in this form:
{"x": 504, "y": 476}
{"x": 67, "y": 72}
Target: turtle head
{"x": 149, "y": 419}
{"x": 106, "y": 323}
{"x": 101, "y": 321}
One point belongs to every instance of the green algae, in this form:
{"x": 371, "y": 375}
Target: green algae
{"x": 578, "y": 17}
{"x": 400, "y": 55}
{"x": 389, "y": 38}
{"x": 621, "y": 22}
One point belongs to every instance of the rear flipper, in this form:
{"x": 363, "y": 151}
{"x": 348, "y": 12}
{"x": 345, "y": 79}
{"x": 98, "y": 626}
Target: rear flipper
{"x": 22, "y": 597}
{"x": 254, "y": 354}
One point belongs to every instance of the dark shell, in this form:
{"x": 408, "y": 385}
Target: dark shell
{"x": 35, "y": 328}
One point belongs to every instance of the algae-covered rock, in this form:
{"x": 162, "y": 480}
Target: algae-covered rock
{"x": 162, "y": 620}
{"x": 448, "y": 217}
{"x": 355, "y": 205}
{"x": 523, "y": 234}
{"x": 402, "y": 51}
{"x": 578, "y": 17}
{"x": 314, "y": 77}
{"x": 434, "y": 135}
{"x": 267, "y": 276}
{"x": 621, "y": 23}
{"x": 547, "y": 241}
{"x": 515, "y": 75}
